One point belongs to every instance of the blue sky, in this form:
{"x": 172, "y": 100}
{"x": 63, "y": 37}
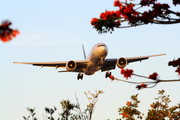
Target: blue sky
{"x": 54, "y": 31}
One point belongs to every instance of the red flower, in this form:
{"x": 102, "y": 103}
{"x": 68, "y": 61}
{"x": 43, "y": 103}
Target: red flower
{"x": 168, "y": 114}
{"x": 143, "y": 85}
{"x": 117, "y": 3}
{"x": 124, "y": 114}
{"x": 127, "y": 73}
{"x": 152, "y": 105}
{"x": 111, "y": 77}
{"x": 175, "y": 2}
{"x": 153, "y": 76}
{"x": 94, "y": 21}
{"x": 117, "y": 24}
{"x": 128, "y": 103}
{"x": 15, "y": 32}
{"x": 110, "y": 14}
{"x": 178, "y": 70}
{"x": 174, "y": 63}
{"x": 7, "y": 33}
{"x": 117, "y": 13}
{"x": 103, "y": 16}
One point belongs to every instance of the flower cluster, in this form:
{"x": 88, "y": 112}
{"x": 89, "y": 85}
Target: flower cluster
{"x": 130, "y": 110}
{"x": 147, "y": 2}
{"x": 94, "y": 21}
{"x": 109, "y": 15}
{"x": 7, "y": 33}
{"x": 117, "y": 3}
{"x": 128, "y": 103}
{"x": 175, "y": 63}
{"x": 153, "y": 76}
{"x": 175, "y": 2}
{"x": 127, "y": 73}
{"x": 127, "y": 12}
{"x": 141, "y": 86}
{"x": 124, "y": 114}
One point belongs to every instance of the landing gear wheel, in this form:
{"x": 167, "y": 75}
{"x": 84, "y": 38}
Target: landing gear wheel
{"x": 80, "y": 76}
{"x": 107, "y": 74}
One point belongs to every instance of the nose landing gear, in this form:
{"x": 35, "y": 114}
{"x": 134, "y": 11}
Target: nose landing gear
{"x": 80, "y": 76}
{"x": 107, "y": 74}
{"x": 102, "y": 61}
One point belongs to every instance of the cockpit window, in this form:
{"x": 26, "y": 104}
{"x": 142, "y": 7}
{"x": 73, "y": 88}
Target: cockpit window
{"x": 100, "y": 45}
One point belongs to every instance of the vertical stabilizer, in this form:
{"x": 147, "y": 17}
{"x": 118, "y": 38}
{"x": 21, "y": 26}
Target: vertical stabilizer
{"x": 84, "y": 51}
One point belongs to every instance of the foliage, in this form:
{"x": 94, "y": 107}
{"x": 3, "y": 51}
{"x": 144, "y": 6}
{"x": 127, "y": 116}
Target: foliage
{"x": 130, "y": 111}
{"x": 67, "y": 107}
{"x": 70, "y": 110}
{"x": 50, "y": 112}
{"x": 92, "y": 98}
{"x": 32, "y": 114}
{"x": 159, "y": 109}
{"x": 159, "y": 13}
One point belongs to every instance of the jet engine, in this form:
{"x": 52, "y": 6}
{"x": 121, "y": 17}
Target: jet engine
{"x": 121, "y": 62}
{"x": 71, "y": 65}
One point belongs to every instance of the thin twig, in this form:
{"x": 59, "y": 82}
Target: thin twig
{"x": 79, "y": 106}
{"x": 169, "y": 80}
{"x": 141, "y": 76}
{"x": 153, "y": 85}
{"x": 134, "y": 82}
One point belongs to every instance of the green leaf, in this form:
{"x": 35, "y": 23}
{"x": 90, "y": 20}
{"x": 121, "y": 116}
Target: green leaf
{"x": 35, "y": 118}
{"x": 33, "y": 114}
{"x": 24, "y": 118}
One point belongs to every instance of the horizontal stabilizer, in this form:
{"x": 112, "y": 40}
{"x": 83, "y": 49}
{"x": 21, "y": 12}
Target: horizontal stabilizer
{"x": 64, "y": 71}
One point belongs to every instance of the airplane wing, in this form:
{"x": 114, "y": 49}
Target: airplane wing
{"x": 111, "y": 63}
{"x": 135, "y": 59}
{"x": 80, "y": 64}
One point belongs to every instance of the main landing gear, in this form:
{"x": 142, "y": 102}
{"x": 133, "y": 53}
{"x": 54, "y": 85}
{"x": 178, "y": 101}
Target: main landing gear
{"x": 80, "y": 76}
{"x": 107, "y": 74}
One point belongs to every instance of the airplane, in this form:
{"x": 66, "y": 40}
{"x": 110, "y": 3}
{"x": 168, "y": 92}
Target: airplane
{"x": 95, "y": 61}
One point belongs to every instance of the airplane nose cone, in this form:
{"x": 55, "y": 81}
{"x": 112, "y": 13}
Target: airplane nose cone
{"x": 103, "y": 51}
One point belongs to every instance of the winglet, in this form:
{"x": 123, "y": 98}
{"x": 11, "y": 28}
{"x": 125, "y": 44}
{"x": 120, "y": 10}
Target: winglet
{"x": 84, "y": 51}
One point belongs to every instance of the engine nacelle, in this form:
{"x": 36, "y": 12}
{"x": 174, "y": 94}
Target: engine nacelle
{"x": 71, "y": 65}
{"x": 121, "y": 62}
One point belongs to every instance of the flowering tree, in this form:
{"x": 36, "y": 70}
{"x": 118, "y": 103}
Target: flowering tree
{"x": 159, "y": 13}
{"x": 6, "y": 33}
{"x": 159, "y": 109}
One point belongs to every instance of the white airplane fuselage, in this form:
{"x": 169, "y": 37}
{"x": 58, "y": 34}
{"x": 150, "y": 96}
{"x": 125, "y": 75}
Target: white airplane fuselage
{"x": 96, "y": 58}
